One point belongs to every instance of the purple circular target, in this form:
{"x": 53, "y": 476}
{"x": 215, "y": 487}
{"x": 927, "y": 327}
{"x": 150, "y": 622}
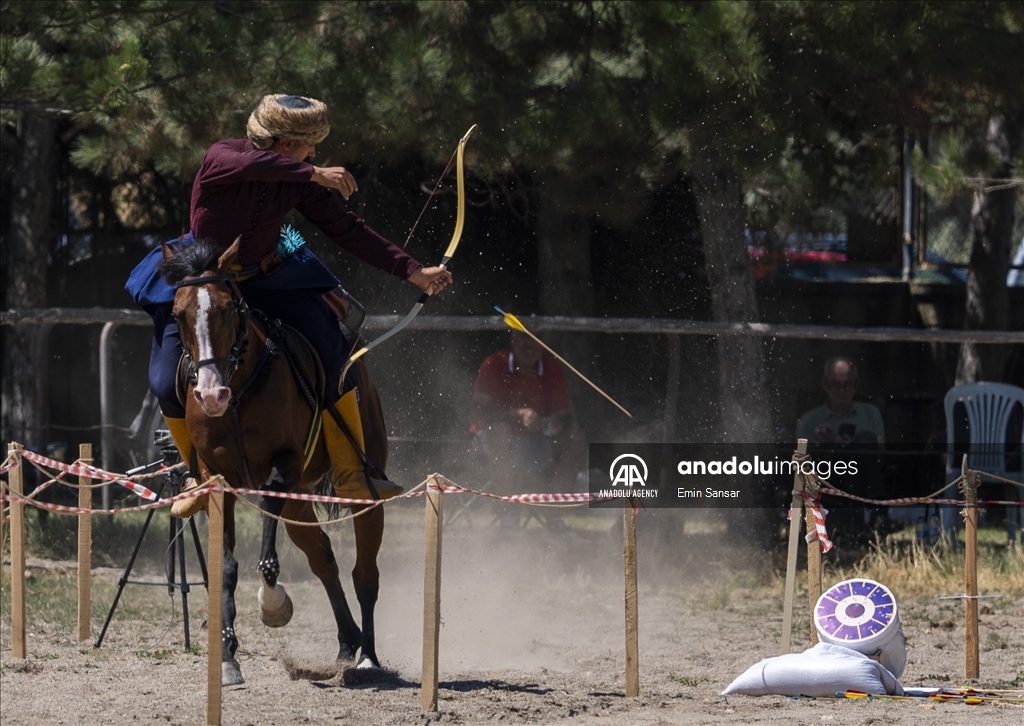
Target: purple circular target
{"x": 855, "y": 610}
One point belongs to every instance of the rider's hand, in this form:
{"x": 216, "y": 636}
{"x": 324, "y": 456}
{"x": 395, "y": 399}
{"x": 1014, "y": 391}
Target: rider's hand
{"x": 431, "y": 280}
{"x": 335, "y": 177}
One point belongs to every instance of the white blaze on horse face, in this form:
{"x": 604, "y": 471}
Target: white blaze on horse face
{"x": 210, "y": 389}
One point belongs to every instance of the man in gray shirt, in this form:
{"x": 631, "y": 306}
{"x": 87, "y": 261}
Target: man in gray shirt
{"x": 841, "y": 420}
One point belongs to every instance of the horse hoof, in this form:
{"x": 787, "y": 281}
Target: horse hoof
{"x": 367, "y": 664}
{"x": 345, "y": 654}
{"x": 367, "y": 673}
{"x": 275, "y": 607}
{"x": 230, "y": 674}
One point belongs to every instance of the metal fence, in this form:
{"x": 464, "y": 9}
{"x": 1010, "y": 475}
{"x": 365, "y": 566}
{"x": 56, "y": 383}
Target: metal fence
{"x": 112, "y": 319}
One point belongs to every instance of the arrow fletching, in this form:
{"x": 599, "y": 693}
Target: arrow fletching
{"x": 511, "y": 320}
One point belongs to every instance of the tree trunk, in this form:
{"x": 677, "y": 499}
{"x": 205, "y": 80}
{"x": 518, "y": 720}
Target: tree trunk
{"x": 27, "y": 244}
{"x": 991, "y": 231}
{"x": 745, "y": 414}
{"x": 567, "y": 288}
{"x": 563, "y": 238}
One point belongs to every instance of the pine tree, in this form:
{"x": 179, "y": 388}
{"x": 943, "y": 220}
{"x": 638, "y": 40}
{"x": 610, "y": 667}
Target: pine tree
{"x": 141, "y": 89}
{"x": 939, "y": 71}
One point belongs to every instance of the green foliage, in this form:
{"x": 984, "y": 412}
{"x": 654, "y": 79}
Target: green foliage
{"x": 942, "y": 175}
{"x": 805, "y": 99}
{"x": 152, "y": 81}
{"x": 24, "y": 66}
{"x": 937, "y": 70}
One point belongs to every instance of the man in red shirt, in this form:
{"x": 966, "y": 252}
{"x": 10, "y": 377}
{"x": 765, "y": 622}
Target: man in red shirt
{"x": 245, "y": 189}
{"x": 520, "y": 411}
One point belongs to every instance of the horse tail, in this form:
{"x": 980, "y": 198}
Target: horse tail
{"x": 324, "y": 510}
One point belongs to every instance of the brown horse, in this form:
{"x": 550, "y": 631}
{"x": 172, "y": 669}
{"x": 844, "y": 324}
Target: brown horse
{"x": 249, "y": 417}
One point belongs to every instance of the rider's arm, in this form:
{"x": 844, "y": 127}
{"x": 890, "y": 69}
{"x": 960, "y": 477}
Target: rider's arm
{"x": 324, "y": 208}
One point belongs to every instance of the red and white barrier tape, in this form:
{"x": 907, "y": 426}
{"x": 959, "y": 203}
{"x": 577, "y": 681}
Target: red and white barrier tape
{"x": 80, "y": 469}
{"x": 13, "y": 461}
{"x": 537, "y": 498}
{"x": 446, "y": 487}
{"x": 299, "y": 496}
{"x": 61, "y": 508}
{"x": 818, "y": 512}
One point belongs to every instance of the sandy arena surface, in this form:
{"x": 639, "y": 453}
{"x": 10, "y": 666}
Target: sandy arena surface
{"x": 532, "y": 632}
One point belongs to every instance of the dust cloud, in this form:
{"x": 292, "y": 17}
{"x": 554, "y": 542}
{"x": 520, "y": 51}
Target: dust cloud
{"x": 523, "y": 587}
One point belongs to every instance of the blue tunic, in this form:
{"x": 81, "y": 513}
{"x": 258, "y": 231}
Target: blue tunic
{"x": 301, "y": 270}
{"x": 292, "y": 293}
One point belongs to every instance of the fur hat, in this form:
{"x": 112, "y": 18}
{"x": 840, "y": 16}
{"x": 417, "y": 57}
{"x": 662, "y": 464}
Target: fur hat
{"x": 292, "y": 119}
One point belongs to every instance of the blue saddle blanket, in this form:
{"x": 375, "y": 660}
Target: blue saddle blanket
{"x": 301, "y": 270}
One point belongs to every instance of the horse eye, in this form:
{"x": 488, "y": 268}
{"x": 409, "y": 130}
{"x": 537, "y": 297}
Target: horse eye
{"x": 181, "y": 319}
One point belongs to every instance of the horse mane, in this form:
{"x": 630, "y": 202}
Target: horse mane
{"x": 189, "y": 261}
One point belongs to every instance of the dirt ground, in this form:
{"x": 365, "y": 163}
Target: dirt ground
{"x": 532, "y": 632}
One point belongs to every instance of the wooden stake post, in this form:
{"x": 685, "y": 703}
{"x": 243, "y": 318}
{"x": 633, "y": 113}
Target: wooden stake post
{"x": 84, "y": 546}
{"x": 971, "y": 574}
{"x": 632, "y": 629}
{"x": 795, "y": 517}
{"x": 813, "y": 570}
{"x": 3, "y": 501}
{"x": 17, "y": 559}
{"x": 432, "y": 595}
{"x": 215, "y": 565}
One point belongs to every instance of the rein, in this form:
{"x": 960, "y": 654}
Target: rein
{"x": 234, "y": 356}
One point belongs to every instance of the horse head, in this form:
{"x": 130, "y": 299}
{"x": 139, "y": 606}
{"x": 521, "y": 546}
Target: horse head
{"x": 211, "y": 315}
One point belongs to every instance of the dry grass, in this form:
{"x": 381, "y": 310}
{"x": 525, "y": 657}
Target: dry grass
{"x": 911, "y": 570}
{"x": 907, "y": 567}
{"x": 916, "y": 570}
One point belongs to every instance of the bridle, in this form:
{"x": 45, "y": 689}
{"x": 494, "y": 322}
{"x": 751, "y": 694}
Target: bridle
{"x": 234, "y": 356}
{"x": 241, "y": 310}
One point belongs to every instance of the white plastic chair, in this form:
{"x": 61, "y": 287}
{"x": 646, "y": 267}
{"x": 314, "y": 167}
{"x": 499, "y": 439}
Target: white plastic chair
{"x": 989, "y": 407}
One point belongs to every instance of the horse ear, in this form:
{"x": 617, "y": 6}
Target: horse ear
{"x": 229, "y": 256}
{"x": 166, "y": 251}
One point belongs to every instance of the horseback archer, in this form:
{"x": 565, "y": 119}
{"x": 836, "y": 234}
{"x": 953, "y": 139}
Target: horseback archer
{"x": 244, "y": 190}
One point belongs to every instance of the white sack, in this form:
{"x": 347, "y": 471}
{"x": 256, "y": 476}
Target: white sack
{"x": 821, "y": 671}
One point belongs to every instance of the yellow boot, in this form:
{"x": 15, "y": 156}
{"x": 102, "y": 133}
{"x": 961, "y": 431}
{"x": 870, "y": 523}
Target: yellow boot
{"x": 179, "y": 432}
{"x": 347, "y": 473}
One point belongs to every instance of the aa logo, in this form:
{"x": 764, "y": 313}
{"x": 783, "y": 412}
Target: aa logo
{"x": 628, "y": 473}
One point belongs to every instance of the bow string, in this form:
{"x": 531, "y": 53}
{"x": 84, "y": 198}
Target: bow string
{"x": 460, "y": 219}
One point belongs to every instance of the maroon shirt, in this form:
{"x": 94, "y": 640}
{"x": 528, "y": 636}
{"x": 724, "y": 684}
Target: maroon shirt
{"x": 543, "y": 389}
{"x": 241, "y": 190}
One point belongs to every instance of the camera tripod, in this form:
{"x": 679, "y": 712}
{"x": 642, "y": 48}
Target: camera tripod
{"x": 175, "y": 545}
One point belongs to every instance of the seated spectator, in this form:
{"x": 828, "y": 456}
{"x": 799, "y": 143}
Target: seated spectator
{"x": 837, "y": 429}
{"x": 520, "y": 416}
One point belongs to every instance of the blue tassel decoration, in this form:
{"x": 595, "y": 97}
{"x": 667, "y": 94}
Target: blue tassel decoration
{"x": 291, "y": 241}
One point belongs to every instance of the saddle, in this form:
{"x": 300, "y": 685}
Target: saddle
{"x": 303, "y": 361}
